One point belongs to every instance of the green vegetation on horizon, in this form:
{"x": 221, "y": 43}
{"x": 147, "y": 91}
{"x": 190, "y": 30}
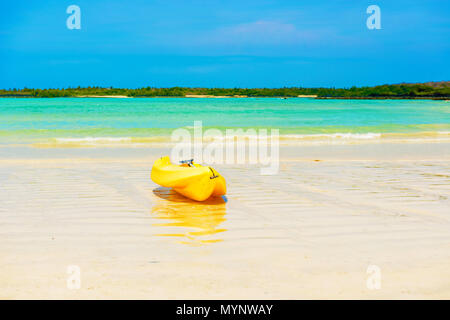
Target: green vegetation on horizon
{"x": 424, "y": 90}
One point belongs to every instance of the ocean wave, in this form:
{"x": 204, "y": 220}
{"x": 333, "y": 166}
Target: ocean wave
{"x": 363, "y": 136}
{"x": 290, "y": 139}
{"x": 219, "y": 138}
{"x": 93, "y": 139}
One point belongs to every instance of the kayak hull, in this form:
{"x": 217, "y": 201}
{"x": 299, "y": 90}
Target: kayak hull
{"x": 195, "y": 182}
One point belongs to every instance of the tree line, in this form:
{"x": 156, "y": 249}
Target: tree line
{"x": 442, "y": 90}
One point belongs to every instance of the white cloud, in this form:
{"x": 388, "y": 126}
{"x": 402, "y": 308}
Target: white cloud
{"x": 262, "y": 32}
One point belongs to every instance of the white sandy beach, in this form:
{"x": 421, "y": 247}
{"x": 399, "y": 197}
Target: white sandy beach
{"x": 310, "y": 231}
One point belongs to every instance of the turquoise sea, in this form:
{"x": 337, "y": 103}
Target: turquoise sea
{"x": 95, "y": 119}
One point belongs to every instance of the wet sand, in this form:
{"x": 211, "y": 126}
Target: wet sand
{"x": 310, "y": 231}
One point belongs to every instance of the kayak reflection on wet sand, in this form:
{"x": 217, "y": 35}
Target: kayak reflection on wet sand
{"x": 195, "y": 223}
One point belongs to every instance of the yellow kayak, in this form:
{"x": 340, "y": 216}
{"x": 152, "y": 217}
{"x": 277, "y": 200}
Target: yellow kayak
{"x": 190, "y": 179}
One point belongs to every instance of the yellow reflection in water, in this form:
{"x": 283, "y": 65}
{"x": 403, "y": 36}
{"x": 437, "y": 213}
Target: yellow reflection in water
{"x": 196, "y": 223}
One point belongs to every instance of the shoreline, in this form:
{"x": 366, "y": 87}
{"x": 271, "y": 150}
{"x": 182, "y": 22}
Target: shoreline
{"x": 236, "y": 97}
{"x": 284, "y": 140}
{"x": 98, "y": 96}
{"x": 428, "y": 90}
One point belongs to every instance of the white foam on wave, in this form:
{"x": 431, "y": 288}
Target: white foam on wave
{"x": 318, "y": 138}
{"x": 369, "y": 135}
{"x": 223, "y": 138}
{"x": 94, "y": 139}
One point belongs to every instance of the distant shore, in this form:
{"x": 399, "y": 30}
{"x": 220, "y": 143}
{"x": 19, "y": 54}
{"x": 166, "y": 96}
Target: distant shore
{"x": 97, "y": 96}
{"x": 385, "y": 98}
{"x": 238, "y": 96}
{"x": 212, "y": 96}
{"x": 430, "y": 90}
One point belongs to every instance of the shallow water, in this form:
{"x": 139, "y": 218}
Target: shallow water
{"x": 146, "y": 120}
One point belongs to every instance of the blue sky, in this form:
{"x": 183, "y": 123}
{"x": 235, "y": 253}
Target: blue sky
{"x": 213, "y": 43}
